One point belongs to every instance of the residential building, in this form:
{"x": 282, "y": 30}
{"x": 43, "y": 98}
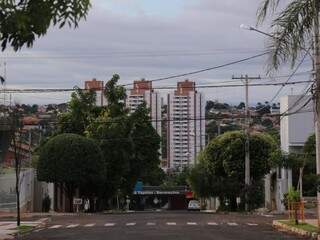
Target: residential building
{"x": 98, "y": 87}
{"x": 143, "y": 92}
{"x": 186, "y": 125}
{"x": 296, "y": 125}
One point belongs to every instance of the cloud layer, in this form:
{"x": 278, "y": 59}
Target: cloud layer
{"x": 140, "y": 39}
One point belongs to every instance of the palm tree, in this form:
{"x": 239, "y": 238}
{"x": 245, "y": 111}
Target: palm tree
{"x": 293, "y": 29}
{"x": 296, "y": 30}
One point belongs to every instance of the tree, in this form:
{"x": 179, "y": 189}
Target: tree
{"x": 146, "y": 146}
{"x": 222, "y": 167}
{"x": 22, "y": 21}
{"x": 71, "y": 161}
{"x": 81, "y": 110}
{"x": 16, "y": 142}
{"x": 310, "y": 178}
{"x": 241, "y": 105}
{"x": 129, "y": 142}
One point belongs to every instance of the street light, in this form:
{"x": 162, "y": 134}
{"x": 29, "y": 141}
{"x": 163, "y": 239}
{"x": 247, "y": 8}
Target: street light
{"x": 251, "y": 28}
{"x": 246, "y": 27}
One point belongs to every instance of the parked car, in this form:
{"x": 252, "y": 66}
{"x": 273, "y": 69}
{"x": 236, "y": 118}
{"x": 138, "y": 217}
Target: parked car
{"x": 194, "y": 205}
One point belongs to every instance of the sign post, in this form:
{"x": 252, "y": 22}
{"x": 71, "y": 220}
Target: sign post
{"x": 77, "y": 202}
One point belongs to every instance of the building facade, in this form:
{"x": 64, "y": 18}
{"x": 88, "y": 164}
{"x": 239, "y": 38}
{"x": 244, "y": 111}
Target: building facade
{"x": 143, "y": 92}
{"x": 186, "y": 125}
{"x": 98, "y": 87}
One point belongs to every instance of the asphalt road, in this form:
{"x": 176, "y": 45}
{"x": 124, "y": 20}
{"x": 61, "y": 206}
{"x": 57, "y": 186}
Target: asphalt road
{"x": 153, "y": 226}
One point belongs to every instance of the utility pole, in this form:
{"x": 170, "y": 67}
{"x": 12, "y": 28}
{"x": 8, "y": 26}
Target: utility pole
{"x": 245, "y": 79}
{"x": 316, "y": 66}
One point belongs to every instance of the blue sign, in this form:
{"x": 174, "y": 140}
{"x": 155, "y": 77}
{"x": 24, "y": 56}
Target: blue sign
{"x": 138, "y": 187}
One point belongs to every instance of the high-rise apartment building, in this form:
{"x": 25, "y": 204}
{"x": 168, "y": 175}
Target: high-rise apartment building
{"x": 143, "y": 92}
{"x": 98, "y": 87}
{"x": 186, "y": 125}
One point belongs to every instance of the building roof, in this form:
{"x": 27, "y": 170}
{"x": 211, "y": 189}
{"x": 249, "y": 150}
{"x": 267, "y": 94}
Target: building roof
{"x": 94, "y": 84}
{"x": 30, "y": 120}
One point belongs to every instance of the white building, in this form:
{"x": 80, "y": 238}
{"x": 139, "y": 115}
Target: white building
{"x": 296, "y": 125}
{"x": 143, "y": 92}
{"x": 186, "y": 125}
{"x": 98, "y": 87}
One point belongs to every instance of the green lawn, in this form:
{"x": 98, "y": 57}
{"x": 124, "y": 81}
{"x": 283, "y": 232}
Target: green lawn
{"x": 304, "y": 226}
{"x": 24, "y": 229}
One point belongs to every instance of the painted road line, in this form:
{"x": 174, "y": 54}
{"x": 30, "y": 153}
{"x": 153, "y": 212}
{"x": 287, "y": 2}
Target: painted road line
{"x": 72, "y": 225}
{"x": 232, "y": 224}
{"x": 55, "y": 226}
{"x": 90, "y": 225}
{"x": 130, "y": 224}
{"x": 171, "y": 223}
{"x": 151, "y": 224}
{"x": 39, "y": 230}
{"x": 252, "y": 224}
{"x": 109, "y": 224}
{"x": 192, "y": 223}
{"x": 212, "y": 224}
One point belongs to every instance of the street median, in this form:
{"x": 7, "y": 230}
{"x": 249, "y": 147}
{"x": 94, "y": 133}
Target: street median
{"x": 302, "y": 229}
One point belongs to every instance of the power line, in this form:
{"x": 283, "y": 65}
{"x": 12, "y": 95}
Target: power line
{"x": 206, "y": 69}
{"x": 53, "y": 90}
{"x": 130, "y": 55}
{"x": 291, "y": 75}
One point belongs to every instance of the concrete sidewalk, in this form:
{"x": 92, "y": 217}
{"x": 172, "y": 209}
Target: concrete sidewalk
{"x": 8, "y": 228}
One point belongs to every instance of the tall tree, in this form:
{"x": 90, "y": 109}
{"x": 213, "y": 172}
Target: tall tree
{"x": 81, "y": 111}
{"x": 16, "y": 142}
{"x": 129, "y": 143}
{"x": 146, "y": 147}
{"x": 112, "y": 130}
{"x": 22, "y": 21}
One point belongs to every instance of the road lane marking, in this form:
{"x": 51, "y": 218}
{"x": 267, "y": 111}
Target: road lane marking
{"x": 39, "y": 230}
{"x": 130, "y": 224}
{"x": 151, "y": 224}
{"x": 90, "y": 225}
{"x": 55, "y": 226}
{"x": 252, "y": 224}
{"x": 72, "y": 225}
{"x": 192, "y": 223}
{"x": 232, "y": 224}
{"x": 109, "y": 224}
{"x": 212, "y": 224}
{"x": 171, "y": 223}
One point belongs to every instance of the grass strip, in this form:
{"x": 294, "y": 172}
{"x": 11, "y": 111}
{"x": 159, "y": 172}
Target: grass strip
{"x": 304, "y": 226}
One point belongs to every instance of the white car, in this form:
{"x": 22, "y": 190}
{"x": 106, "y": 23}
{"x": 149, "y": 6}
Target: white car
{"x": 194, "y": 205}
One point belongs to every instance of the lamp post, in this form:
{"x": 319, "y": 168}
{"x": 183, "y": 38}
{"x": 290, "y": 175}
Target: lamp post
{"x": 315, "y": 57}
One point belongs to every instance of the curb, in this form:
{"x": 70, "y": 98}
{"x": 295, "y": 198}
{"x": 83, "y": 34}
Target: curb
{"x": 284, "y": 227}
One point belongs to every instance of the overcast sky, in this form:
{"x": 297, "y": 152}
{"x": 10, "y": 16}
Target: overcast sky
{"x": 147, "y": 39}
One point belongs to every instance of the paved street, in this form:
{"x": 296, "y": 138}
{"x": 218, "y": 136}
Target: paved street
{"x": 168, "y": 225}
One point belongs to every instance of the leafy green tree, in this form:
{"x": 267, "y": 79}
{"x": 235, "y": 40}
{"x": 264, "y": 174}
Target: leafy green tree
{"x": 241, "y": 105}
{"x": 22, "y": 21}
{"x": 224, "y": 165}
{"x": 310, "y": 178}
{"x": 146, "y": 146}
{"x": 129, "y": 143}
{"x": 82, "y": 110}
{"x": 72, "y": 161}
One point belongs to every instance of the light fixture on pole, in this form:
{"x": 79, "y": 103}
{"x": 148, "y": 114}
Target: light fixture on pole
{"x": 251, "y": 28}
